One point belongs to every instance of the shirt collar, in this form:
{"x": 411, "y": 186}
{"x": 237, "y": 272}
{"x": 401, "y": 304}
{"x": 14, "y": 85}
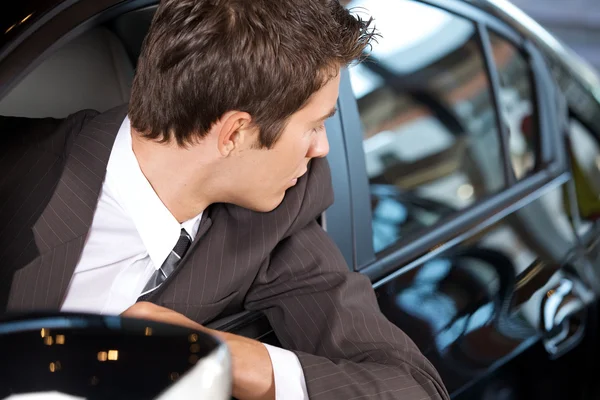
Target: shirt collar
{"x": 157, "y": 227}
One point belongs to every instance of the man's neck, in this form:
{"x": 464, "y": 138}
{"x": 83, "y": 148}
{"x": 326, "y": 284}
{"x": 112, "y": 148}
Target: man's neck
{"x": 171, "y": 177}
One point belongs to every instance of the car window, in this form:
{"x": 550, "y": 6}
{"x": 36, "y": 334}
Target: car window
{"x": 517, "y": 104}
{"x": 584, "y": 152}
{"x": 431, "y": 141}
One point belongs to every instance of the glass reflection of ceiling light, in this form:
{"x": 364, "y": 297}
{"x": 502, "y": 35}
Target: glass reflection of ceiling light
{"x": 195, "y": 348}
{"x": 193, "y": 338}
{"x": 26, "y": 18}
{"x": 148, "y": 331}
{"x": 18, "y": 23}
{"x": 102, "y": 356}
{"x": 113, "y": 355}
{"x": 44, "y": 332}
{"x": 465, "y": 191}
{"x": 54, "y": 366}
{"x": 60, "y": 339}
{"x": 48, "y": 341}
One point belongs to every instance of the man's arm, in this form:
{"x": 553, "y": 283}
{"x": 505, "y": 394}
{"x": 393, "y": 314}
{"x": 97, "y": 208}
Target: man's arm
{"x": 330, "y": 318}
{"x": 31, "y": 161}
{"x": 252, "y": 369}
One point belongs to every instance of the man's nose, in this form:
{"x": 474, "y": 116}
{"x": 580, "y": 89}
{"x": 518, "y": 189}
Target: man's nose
{"x": 320, "y": 147}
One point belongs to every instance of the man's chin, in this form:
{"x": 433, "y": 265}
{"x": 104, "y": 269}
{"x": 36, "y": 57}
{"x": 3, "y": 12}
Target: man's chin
{"x": 262, "y": 205}
{"x": 265, "y": 206}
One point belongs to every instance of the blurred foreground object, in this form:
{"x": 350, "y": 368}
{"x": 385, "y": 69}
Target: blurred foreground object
{"x": 74, "y": 356}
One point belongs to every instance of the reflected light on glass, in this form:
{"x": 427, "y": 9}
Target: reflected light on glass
{"x": 113, "y": 355}
{"x": 597, "y": 162}
{"x": 44, "y": 332}
{"x": 48, "y": 341}
{"x": 465, "y": 191}
{"x": 54, "y": 366}
{"x": 148, "y": 331}
{"x": 60, "y": 339}
{"x": 26, "y": 18}
{"x": 193, "y": 337}
{"x": 194, "y": 348}
{"x": 102, "y": 356}
{"x": 18, "y": 23}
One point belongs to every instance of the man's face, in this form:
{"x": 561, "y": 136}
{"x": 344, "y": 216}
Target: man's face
{"x": 263, "y": 175}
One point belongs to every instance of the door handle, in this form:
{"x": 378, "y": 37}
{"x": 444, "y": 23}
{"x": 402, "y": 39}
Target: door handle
{"x": 564, "y": 315}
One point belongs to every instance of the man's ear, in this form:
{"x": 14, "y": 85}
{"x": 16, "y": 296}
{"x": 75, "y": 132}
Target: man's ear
{"x": 235, "y": 132}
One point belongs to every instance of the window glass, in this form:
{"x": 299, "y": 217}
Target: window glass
{"x": 430, "y": 137}
{"x": 517, "y": 104}
{"x": 584, "y": 150}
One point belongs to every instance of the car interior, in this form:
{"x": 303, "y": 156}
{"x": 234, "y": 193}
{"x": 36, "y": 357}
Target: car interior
{"x": 93, "y": 71}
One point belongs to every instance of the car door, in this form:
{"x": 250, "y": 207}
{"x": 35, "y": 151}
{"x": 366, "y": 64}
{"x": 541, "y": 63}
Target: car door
{"x": 460, "y": 188}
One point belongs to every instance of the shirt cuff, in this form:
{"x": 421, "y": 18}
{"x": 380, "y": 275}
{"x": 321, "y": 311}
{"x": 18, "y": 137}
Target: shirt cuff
{"x": 288, "y": 374}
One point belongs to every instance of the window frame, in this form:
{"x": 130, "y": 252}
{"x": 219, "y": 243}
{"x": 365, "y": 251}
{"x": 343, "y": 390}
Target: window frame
{"x": 516, "y": 194}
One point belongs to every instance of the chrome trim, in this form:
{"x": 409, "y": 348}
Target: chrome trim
{"x": 562, "y": 305}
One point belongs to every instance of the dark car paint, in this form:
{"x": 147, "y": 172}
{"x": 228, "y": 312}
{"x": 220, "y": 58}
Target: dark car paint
{"x": 467, "y": 326}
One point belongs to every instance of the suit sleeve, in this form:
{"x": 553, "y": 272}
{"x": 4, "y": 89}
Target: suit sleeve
{"x": 31, "y": 159}
{"x": 329, "y": 316}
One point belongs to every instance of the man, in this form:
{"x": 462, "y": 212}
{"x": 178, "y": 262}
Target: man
{"x": 201, "y": 200}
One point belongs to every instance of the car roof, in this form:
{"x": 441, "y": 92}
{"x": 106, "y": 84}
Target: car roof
{"x": 18, "y": 15}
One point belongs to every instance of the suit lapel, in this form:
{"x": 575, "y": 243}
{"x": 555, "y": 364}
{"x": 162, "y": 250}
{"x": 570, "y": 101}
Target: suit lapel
{"x": 61, "y": 229}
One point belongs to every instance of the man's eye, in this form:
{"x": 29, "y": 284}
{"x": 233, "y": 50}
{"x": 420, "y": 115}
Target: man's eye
{"x": 318, "y": 129}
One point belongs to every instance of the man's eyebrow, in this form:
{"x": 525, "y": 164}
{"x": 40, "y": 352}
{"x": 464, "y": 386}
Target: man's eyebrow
{"x": 329, "y": 115}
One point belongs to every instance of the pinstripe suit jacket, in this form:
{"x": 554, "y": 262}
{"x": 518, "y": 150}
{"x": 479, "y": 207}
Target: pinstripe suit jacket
{"x": 280, "y": 263}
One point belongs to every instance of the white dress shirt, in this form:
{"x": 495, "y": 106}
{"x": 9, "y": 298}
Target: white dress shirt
{"x": 132, "y": 234}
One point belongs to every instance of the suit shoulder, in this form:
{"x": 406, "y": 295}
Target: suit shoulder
{"x": 51, "y": 135}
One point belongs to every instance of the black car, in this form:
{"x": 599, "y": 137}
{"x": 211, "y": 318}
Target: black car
{"x": 465, "y": 159}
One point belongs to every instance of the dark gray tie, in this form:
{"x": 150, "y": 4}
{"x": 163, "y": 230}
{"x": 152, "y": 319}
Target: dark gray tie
{"x": 170, "y": 264}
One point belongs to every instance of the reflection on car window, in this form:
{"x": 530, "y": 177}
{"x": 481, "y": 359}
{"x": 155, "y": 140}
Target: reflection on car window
{"x": 430, "y": 137}
{"x": 584, "y": 150}
{"x": 517, "y": 104}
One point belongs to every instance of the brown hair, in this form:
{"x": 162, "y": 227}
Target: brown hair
{"x": 203, "y": 58}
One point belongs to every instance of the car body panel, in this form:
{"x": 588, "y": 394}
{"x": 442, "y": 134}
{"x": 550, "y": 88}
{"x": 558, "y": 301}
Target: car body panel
{"x": 475, "y": 305}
